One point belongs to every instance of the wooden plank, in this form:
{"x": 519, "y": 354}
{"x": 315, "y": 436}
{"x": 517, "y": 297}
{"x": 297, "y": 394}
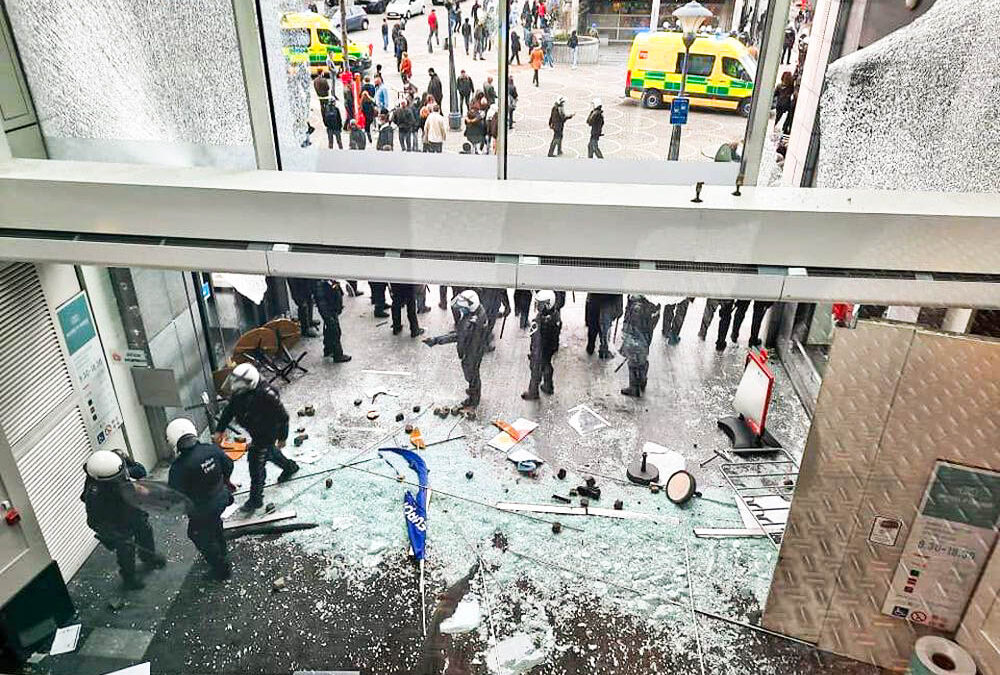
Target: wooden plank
{"x": 233, "y": 523}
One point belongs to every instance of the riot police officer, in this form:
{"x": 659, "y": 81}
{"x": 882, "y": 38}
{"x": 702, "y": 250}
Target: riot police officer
{"x": 641, "y": 317}
{"x": 201, "y": 473}
{"x": 301, "y": 291}
{"x": 545, "y": 331}
{"x": 601, "y": 311}
{"x": 117, "y": 524}
{"x": 330, "y": 300}
{"x": 471, "y": 337}
{"x": 257, "y": 408}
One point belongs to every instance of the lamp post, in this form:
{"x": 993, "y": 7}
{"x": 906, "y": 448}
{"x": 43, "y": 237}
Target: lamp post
{"x": 454, "y": 116}
{"x": 690, "y": 17}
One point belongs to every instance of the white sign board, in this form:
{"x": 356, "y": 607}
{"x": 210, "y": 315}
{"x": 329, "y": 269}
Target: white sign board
{"x": 947, "y": 548}
{"x": 86, "y": 360}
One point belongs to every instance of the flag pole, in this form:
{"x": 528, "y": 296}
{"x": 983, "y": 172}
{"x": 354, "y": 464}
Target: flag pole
{"x": 423, "y": 604}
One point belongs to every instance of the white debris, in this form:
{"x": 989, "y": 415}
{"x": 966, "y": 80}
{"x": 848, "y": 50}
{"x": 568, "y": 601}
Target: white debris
{"x": 466, "y": 618}
{"x": 517, "y": 654}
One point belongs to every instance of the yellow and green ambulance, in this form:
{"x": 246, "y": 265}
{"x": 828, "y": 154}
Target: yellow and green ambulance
{"x": 308, "y": 37}
{"x": 720, "y": 73}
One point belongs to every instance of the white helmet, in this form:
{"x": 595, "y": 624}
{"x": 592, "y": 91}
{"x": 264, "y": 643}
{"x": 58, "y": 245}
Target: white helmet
{"x": 636, "y": 296}
{"x": 105, "y": 465}
{"x": 560, "y": 100}
{"x": 243, "y": 377}
{"x": 178, "y": 429}
{"x": 596, "y": 103}
{"x": 468, "y": 300}
{"x": 547, "y": 298}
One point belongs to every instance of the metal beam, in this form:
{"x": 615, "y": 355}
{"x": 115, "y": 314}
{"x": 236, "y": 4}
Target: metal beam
{"x": 784, "y": 227}
{"x": 767, "y": 76}
{"x": 255, "y": 78}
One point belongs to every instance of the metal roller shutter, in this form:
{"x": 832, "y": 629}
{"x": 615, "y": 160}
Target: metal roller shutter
{"x": 53, "y": 478}
{"x": 34, "y": 377}
{"x": 40, "y": 417}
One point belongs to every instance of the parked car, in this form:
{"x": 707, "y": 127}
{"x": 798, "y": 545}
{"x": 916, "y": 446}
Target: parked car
{"x": 372, "y": 6}
{"x": 357, "y": 19}
{"x": 404, "y": 9}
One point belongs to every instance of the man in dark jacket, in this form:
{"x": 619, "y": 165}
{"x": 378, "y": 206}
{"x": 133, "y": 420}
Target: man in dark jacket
{"x": 201, "y": 473}
{"x": 557, "y": 122}
{"x": 464, "y": 86}
{"x": 256, "y": 406}
{"x": 595, "y": 120}
{"x": 404, "y": 295}
{"x": 301, "y": 291}
{"x": 641, "y": 317}
{"x": 402, "y": 117}
{"x": 490, "y": 91}
{"x": 434, "y": 87}
{"x": 515, "y": 47}
{"x": 378, "y": 289}
{"x": 471, "y": 336}
{"x": 600, "y": 312}
{"x": 544, "y": 344}
{"x": 330, "y": 300}
{"x": 334, "y": 123}
{"x": 358, "y": 140}
{"x": 467, "y": 34}
{"x": 725, "y": 307}
{"x": 117, "y": 524}
{"x": 492, "y": 300}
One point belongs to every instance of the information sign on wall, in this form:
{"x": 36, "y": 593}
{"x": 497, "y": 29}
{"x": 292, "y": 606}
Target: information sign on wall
{"x": 950, "y": 540}
{"x": 86, "y": 358}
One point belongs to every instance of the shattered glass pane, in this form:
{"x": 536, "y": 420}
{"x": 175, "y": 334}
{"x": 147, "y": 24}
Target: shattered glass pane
{"x": 136, "y": 80}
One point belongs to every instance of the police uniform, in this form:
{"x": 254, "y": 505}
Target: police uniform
{"x": 641, "y": 317}
{"x": 259, "y": 410}
{"x": 544, "y": 344}
{"x": 201, "y": 472}
{"x": 302, "y": 294}
{"x": 330, "y": 300}
{"x": 601, "y": 311}
{"x": 471, "y": 337}
{"x": 120, "y": 526}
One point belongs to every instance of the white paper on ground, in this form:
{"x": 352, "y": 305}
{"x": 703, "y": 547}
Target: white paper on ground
{"x": 65, "y": 640}
{"x": 141, "y": 669}
{"x": 503, "y": 441}
{"x": 584, "y": 420}
{"x": 667, "y": 462}
{"x": 523, "y": 455}
{"x": 229, "y": 510}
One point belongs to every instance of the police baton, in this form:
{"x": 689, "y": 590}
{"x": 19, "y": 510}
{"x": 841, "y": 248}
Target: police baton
{"x": 503, "y": 324}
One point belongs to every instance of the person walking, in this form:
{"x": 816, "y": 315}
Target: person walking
{"x": 600, "y": 312}
{"x": 301, "y": 291}
{"x": 201, "y": 473}
{"x": 321, "y": 83}
{"x": 334, "y": 124}
{"x": 381, "y": 95}
{"x": 330, "y": 301}
{"x": 475, "y": 11}
{"x": 573, "y": 43}
{"x": 435, "y": 130}
{"x": 383, "y": 132}
{"x": 789, "y": 44}
{"x": 434, "y": 87}
{"x": 432, "y": 24}
{"x": 117, "y": 524}
{"x": 595, "y": 120}
{"x": 356, "y": 139}
{"x": 256, "y": 406}
{"x": 511, "y": 101}
{"x": 369, "y": 112}
{"x": 385, "y": 35}
{"x": 406, "y": 68}
{"x": 404, "y": 295}
{"x": 475, "y": 130}
{"x": 465, "y": 87}
{"x": 674, "y": 311}
{"x": 641, "y": 317}
{"x": 467, "y": 34}
{"x": 480, "y": 42}
{"x": 489, "y": 91}
{"x": 544, "y": 344}
{"x": 547, "y": 48}
{"x": 783, "y": 97}
{"x": 557, "y": 122}
{"x": 515, "y": 47}
{"x": 536, "y": 58}
{"x": 725, "y": 309}
{"x": 402, "y": 116}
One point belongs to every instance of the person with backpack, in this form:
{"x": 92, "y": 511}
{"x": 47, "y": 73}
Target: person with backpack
{"x": 384, "y": 132}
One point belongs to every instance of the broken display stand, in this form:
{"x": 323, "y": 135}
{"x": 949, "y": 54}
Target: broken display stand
{"x": 747, "y": 432}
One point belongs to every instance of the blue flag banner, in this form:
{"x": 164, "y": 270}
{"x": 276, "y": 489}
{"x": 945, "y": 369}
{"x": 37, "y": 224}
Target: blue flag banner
{"x": 415, "y": 506}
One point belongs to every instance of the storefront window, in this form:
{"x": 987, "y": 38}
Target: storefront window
{"x": 145, "y": 83}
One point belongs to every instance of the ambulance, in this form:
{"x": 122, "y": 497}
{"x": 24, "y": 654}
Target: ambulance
{"x": 720, "y": 73}
{"x": 309, "y": 38}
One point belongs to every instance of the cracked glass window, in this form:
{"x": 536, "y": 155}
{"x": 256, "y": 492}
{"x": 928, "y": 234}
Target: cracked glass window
{"x": 136, "y": 81}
